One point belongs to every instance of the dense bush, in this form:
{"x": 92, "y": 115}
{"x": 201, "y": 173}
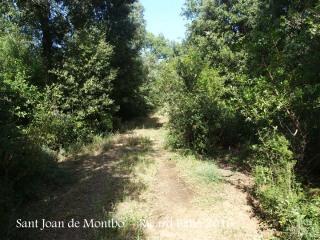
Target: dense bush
{"x": 87, "y": 81}
{"x": 199, "y": 123}
{"x": 201, "y": 117}
{"x": 283, "y": 199}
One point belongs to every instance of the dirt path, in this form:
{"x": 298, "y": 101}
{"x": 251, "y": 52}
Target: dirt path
{"x": 176, "y": 214}
{"x": 161, "y": 203}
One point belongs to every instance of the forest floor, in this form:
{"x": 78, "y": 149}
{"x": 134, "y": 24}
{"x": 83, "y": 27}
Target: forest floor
{"x": 132, "y": 180}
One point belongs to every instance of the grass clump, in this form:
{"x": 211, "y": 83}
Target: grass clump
{"x": 198, "y": 171}
{"x": 208, "y": 172}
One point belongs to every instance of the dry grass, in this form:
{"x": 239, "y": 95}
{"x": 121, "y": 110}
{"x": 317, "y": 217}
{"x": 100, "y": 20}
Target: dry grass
{"x": 134, "y": 177}
{"x": 133, "y": 208}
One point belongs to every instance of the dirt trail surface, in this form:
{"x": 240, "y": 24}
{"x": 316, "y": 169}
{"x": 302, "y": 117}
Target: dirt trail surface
{"x": 174, "y": 208}
{"x": 176, "y": 214}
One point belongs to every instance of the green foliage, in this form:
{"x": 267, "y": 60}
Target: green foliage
{"x": 250, "y": 80}
{"x": 159, "y": 46}
{"x": 161, "y": 75}
{"x": 188, "y": 125}
{"x": 201, "y": 117}
{"x": 189, "y": 67}
{"x": 24, "y": 166}
{"x": 51, "y": 127}
{"x": 282, "y": 198}
{"x": 167, "y": 82}
{"x": 283, "y": 49}
{"x": 219, "y": 30}
{"x": 80, "y": 106}
{"x": 203, "y": 125}
{"x": 87, "y": 81}
{"x": 18, "y": 69}
{"x": 66, "y": 68}
{"x": 274, "y": 165}
{"x": 126, "y": 34}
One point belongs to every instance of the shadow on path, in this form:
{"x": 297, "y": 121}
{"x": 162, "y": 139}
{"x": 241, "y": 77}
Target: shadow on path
{"x": 99, "y": 180}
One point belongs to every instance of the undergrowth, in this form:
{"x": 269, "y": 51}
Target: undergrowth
{"x": 284, "y": 201}
{"x": 286, "y": 204}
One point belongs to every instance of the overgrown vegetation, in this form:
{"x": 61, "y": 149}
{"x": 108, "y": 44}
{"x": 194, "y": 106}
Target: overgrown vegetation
{"x": 245, "y": 81}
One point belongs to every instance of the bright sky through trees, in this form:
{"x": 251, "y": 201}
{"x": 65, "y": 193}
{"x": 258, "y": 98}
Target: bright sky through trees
{"x": 163, "y": 16}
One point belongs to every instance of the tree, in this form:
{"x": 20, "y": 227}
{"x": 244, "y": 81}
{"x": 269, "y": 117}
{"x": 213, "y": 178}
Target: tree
{"x": 66, "y": 68}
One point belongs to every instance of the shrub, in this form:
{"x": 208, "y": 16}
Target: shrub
{"x": 281, "y": 196}
{"x": 53, "y": 128}
{"x": 202, "y": 117}
{"x": 200, "y": 122}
